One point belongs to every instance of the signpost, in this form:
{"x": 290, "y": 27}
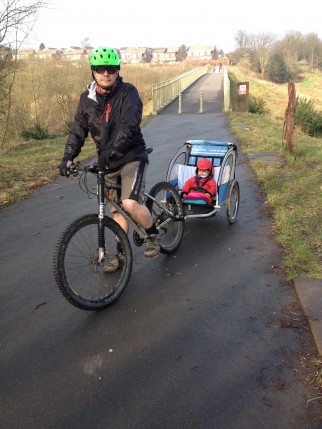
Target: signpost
{"x": 242, "y": 96}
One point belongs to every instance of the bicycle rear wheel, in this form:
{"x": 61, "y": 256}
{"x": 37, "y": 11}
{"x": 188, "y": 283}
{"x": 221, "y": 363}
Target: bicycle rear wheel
{"x": 171, "y": 231}
{"x": 78, "y": 273}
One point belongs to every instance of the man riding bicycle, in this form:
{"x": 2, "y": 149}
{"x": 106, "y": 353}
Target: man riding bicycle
{"x": 111, "y": 111}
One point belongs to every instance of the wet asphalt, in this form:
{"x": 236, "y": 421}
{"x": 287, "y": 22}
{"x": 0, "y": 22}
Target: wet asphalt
{"x": 209, "y": 337}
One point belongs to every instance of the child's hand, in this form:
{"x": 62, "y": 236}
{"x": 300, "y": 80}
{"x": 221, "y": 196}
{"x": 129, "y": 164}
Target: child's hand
{"x": 208, "y": 195}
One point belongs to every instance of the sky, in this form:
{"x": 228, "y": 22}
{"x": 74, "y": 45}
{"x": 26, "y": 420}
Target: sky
{"x": 169, "y": 23}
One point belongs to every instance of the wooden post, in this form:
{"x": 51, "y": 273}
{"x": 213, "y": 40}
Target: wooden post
{"x": 288, "y": 125}
{"x": 242, "y": 96}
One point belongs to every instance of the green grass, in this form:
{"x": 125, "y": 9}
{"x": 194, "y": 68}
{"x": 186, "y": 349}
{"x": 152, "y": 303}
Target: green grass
{"x": 31, "y": 165}
{"x": 293, "y": 191}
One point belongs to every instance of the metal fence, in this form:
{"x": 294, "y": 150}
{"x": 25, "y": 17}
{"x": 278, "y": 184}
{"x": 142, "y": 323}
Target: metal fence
{"x": 165, "y": 92}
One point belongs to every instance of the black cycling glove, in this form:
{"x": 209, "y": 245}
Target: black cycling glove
{"x": 63, "y": 167}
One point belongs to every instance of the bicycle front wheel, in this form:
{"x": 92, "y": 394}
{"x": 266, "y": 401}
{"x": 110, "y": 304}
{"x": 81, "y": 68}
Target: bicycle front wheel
{"x": 167, "y": 200}
{"x": 79, "y": 268}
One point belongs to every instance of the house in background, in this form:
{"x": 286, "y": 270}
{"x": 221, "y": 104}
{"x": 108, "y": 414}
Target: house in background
{"x": 127, "y": 54}
{"x": 202, "y": 53}
{"x": 158, "y": 55}
{"x": 49, "y": 53}
{"x": 171, "y": 54}
{"x": 74, "y": 54}
{"x": 136, "y": 55}
{"x": 24, "y": 54}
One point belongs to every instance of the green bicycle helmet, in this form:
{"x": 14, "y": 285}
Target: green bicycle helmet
{"x": 104, "y": 57}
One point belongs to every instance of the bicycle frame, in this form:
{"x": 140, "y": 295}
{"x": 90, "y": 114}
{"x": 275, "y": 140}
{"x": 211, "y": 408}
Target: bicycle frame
{"x": 102, "y": 186}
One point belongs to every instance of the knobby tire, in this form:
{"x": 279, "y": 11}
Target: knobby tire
{"x": 168, "y": 197}
{"x": 78, "y": 274}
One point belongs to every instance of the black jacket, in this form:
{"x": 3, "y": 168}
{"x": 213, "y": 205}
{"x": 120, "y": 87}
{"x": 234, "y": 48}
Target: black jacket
{"x": 113, "y": 120}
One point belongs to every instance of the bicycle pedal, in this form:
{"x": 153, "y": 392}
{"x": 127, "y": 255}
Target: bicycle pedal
{"x": 138, "y": 240}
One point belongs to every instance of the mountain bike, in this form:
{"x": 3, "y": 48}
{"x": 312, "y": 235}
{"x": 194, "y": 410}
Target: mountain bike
{"x": 85, "y": 247}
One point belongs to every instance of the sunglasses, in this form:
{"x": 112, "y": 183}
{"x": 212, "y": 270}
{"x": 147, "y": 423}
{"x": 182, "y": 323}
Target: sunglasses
{"x": 103, "y": 69}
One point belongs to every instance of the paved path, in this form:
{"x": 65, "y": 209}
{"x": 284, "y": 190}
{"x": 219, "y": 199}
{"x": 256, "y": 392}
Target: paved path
{"x": 210, "y": 337}
{"x": 210, "y": 87}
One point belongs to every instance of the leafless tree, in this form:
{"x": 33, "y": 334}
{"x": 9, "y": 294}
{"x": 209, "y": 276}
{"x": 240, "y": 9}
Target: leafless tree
{"x": 255, "y": 47}
{"x": 260, "y": 45}
{"x": 313, "y": 50}
{"x": 17, "y": 19}
{"x": 291, "y": 46}
{"x": 242, "y": 40}
{"x": 86, "y": 43}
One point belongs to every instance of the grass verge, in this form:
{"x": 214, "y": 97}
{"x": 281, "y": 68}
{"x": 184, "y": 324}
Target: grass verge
{"x": 293, "y": 190}
{"x": 31, "y": 165}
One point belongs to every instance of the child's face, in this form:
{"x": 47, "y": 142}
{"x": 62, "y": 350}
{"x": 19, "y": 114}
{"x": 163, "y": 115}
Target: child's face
{"x": 203, "y": 173}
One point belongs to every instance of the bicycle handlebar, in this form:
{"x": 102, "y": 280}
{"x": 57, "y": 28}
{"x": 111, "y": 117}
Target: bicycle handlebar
{"x": 74, "y": 169}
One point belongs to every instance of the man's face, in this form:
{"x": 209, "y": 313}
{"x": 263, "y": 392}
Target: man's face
{"x": 105, "y": 76}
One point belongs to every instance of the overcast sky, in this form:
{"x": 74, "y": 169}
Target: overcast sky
{"x": 170, "y": 23}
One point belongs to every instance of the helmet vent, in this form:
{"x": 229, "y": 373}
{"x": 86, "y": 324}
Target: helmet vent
{"x": 104, "y": 56}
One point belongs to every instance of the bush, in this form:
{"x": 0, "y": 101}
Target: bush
{"x": 36, "y": 132}
{"x": 307, "y": 117}
{"x": 256, "y": 105}
{"x": 277, "y": 71}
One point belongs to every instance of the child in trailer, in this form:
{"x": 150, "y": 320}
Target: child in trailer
{"x": 200, "y": 188}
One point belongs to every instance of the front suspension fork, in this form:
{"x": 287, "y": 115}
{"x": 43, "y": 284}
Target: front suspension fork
{"x": 101, "y": 215}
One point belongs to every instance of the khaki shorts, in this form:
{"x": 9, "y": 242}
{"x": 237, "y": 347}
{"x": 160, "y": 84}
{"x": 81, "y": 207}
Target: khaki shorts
{"x": 132, "y": 179}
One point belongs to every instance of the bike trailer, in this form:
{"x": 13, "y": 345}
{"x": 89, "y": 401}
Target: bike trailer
{"x": 223, "y": 156}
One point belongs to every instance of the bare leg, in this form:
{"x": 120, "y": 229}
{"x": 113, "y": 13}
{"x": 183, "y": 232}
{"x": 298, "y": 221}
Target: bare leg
{"x": 139, "y": 212}
{"x": 121, "y": 221}
{"x": 143, "y": 217}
